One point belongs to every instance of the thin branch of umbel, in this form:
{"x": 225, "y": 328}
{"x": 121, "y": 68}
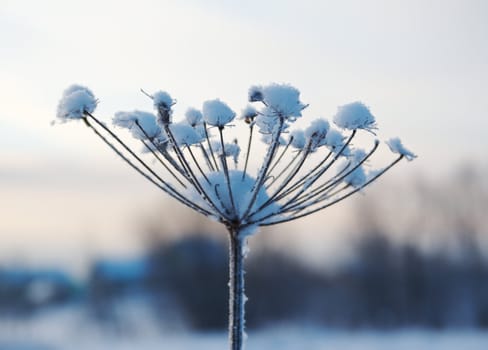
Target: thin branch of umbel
{"x": 277, "y": 191}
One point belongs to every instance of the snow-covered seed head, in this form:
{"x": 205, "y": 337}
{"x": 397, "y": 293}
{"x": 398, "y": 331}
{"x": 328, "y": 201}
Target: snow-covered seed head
{"x": 317, "y": 132}
{"x": 163, "y": 103}
{"x": 76, "y": 101}
{"x": 255, "y": 94}
{"x": 249, "y": 113}
{"x": 217, "y": 113}
{"x": 193, "y": 116}
{"x": 283, "y": 99}
{"x": 185, "y": 135}
{"x": 356, "y": 178}
{"x": 355, "y": 116}
{"x": 334, "y": 139}
{"x": 297, "y": 138}
{"x": 142, "y": 125}
{"x": 396, "y": 146}
{"x": 287, "y": 185}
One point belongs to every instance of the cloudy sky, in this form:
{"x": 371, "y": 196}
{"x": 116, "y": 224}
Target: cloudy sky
{"x": 422, "y": 67}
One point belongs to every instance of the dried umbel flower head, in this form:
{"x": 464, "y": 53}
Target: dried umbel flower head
{"x": 302, "y": 171}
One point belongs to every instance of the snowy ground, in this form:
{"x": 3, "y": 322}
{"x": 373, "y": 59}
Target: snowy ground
{"x": 67, "y": 330}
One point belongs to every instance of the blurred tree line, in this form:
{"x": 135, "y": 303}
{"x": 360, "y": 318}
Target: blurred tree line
{"x": 392, "y": 280}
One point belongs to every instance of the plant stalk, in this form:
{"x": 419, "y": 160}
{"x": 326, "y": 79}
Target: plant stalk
{"x": 236, "y": 290}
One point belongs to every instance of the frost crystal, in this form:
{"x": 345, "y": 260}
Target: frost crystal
{"x": 355, "y": 116}
{"x": 75, "y": 102}
{"x": 217, "y": 113}
{"x": 396, "y": 146}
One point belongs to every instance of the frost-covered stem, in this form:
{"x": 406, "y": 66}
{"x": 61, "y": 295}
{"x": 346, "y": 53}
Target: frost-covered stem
{"x": 205, "y": 155}
{"x": 265, "y": 167}
{"x": 168, "y": 189}
{"x": 285, "y": 168}
{"x": 321, "y": 191}
{"x": 236, "y": 289}
{"x": 280, "y": 156}
{"x": 197, "y": 185}
{"x": 226, "y": 171}
{"x": 285, "y": 183}
{"x": 304, "y": 179}
{"x": 159, "y": 158}
{"x": 249, "y": 142}
{"x": 197, "y": 163}
{"x": 210, "y": 146}
{"x": 161, "y": 161}
{"x": 339, "y": 199}
{"x": 322, "y": 171}
{"x": 181, "y": 158}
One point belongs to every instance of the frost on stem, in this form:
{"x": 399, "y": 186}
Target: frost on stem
{"x": 304, "y": 169}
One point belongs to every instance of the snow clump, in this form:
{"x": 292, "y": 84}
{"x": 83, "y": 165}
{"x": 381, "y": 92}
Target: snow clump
{"x": 355, "y": 116}
{"x": 396, "y": 146}
{"x": 217, "y": 113}
{"x": 137, "y": 120}
{"x": 75, "y": 102}
{"x": 317, "y": 132}
{"x": 283, "y": 99}
{"x": 193, "y": 116}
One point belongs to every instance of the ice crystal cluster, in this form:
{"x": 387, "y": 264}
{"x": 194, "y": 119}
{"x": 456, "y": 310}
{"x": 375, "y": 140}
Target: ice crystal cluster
{"x": 303, "y": 170}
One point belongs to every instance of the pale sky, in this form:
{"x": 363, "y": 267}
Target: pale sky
{"x": 422, "y": 67}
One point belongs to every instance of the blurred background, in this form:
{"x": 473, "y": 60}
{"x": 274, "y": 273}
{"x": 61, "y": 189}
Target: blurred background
{"x": 91, "y": 256}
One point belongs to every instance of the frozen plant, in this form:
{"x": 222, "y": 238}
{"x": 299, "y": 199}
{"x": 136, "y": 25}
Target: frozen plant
{"x": 302, "y": 171}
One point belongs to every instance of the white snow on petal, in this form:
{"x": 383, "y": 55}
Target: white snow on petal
{"x": 354, "y": 116}
{"x": 75, "y": 102}
{"x": 217, "y": 113}
{"x": 396, "y": 146}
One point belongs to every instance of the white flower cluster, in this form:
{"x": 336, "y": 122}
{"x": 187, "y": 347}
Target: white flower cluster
{"x": 287, "y": 185}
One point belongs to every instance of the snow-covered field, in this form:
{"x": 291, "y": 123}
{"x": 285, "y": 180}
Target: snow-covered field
{"x": 68, "y": 330}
